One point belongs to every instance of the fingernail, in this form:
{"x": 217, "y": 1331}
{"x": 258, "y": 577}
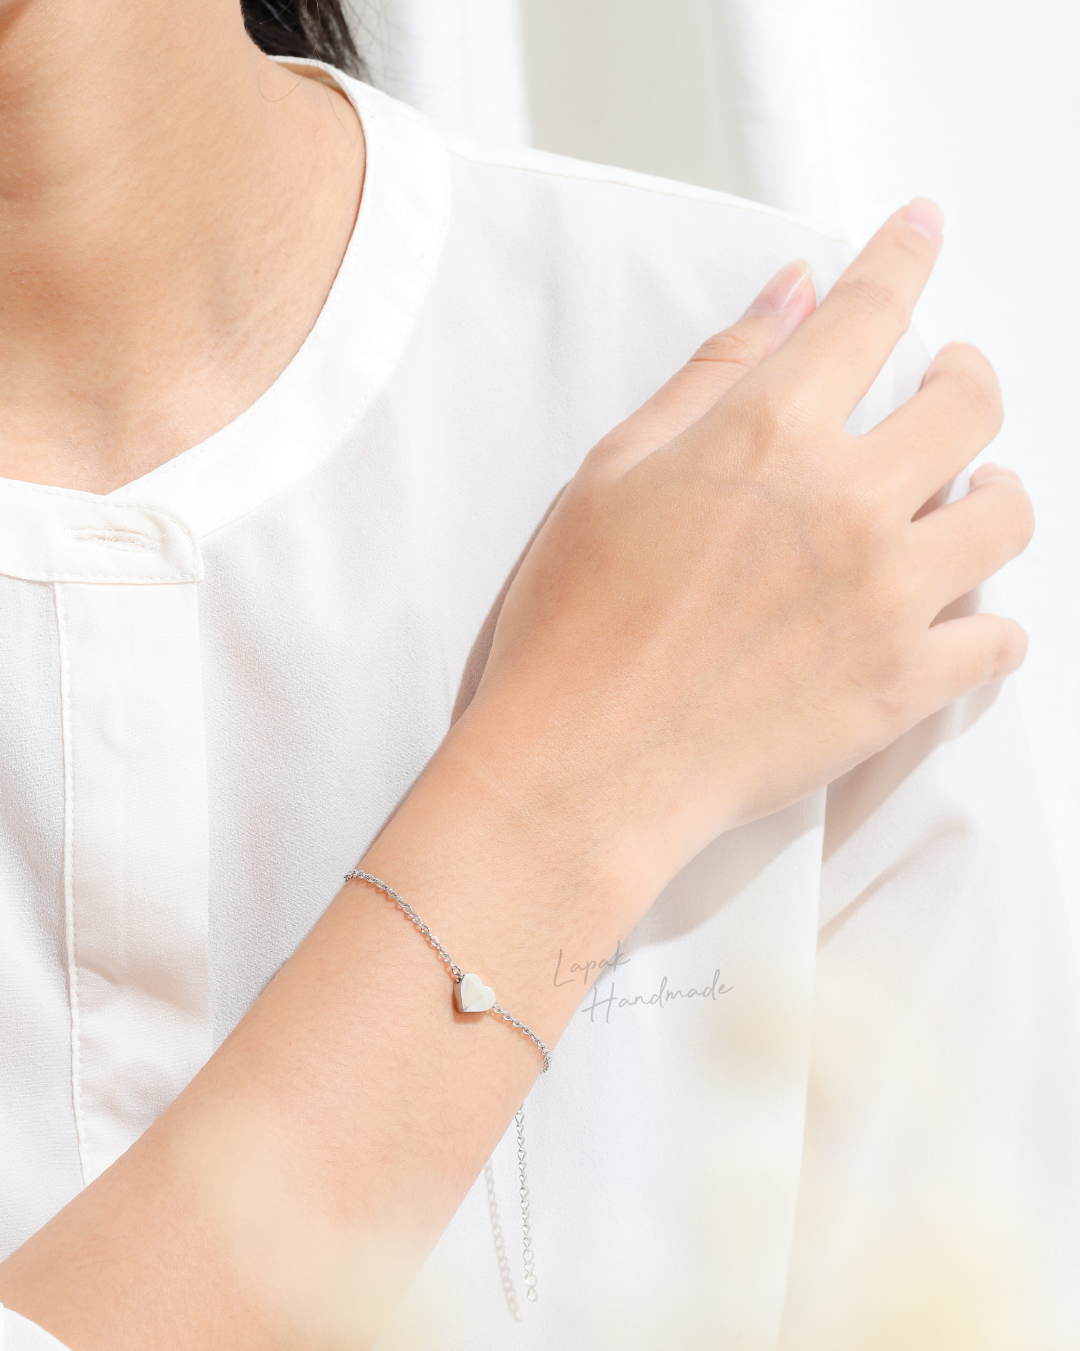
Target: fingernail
{"x": 927, "y": 217}
{"x": 781, "y": 290}
{"x": 990, "y": 470}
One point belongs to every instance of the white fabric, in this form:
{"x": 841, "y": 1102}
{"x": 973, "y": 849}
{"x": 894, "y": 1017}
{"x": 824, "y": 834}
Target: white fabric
{"x": 135, "y": 855}
{"x": 496, "y": 313}
{"x": 841, "y": 110}
{"x": 461, "y": 63}
{"x": 19, "y": 1334}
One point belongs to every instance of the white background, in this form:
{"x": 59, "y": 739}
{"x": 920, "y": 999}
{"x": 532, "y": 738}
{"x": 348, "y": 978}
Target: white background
{"x": 839, "y": 111}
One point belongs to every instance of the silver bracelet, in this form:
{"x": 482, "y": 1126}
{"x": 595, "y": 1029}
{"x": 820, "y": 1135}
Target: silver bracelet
{"x": 471, "y": 995}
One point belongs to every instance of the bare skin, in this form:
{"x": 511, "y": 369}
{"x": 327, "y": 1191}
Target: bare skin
{"x": 173, "y": 210}
{"x": 730, "y": 605}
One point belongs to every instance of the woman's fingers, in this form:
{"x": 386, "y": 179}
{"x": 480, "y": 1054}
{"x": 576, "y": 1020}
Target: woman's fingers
{"x": 927, "y": 441}
{"x": 961, "y": 655}
{"x": 963, "y": 544}
{"x": 835, "y": 357}
{"x": 775, "y": 314}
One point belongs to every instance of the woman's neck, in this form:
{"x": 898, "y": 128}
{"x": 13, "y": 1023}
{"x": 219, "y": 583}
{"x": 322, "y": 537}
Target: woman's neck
{"x": 173, "y": 209}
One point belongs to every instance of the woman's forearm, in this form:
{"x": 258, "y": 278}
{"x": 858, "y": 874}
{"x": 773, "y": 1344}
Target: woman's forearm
{"x": 295, "y": 1187}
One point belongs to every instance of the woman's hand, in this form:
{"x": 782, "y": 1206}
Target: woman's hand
{"x": 731, "y": 604}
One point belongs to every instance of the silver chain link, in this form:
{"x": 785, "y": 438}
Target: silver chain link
{"x": 523, "y": 1189}
{"x": 505, "y": 1279}
{"x": 410, "y": 914}
{"x": 526, "y": 1232}
{"x": 509, "y": 1018}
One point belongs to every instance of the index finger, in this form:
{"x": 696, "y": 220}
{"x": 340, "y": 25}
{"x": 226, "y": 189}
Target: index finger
{"x": 837, "y": 353}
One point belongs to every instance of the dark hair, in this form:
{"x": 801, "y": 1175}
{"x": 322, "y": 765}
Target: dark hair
{"x": 315, "y": 28}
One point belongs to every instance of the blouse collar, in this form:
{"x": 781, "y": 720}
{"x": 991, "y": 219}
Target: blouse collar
{"x": 352, "y": 348}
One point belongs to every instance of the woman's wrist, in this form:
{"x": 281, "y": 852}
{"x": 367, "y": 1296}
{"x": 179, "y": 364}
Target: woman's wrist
{"x": 508, "y": 864}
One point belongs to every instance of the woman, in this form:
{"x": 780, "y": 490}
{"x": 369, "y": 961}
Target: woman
{"x": 269, "y": 462}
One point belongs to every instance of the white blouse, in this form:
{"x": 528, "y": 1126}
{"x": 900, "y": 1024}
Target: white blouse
{"x": 829, "y": 1086}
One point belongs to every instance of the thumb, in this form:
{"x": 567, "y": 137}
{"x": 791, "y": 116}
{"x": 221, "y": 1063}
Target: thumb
{"x": 774, "y": 315}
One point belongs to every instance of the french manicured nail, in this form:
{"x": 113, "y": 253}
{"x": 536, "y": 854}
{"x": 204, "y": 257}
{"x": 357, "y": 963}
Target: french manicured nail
{"x": 927, "y": 217}
{"x": 782, "y": 289}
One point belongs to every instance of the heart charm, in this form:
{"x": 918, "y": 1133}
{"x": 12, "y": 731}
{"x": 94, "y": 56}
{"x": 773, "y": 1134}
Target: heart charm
{"x": 472, "y": 996}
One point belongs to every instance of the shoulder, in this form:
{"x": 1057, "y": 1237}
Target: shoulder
{"x": 541, "y": 171}
{"x": 572, "y": 209}
{"x": 593, "y": 224}
{"x": 661, "y": 256}
{"x": 573, "y": 268}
